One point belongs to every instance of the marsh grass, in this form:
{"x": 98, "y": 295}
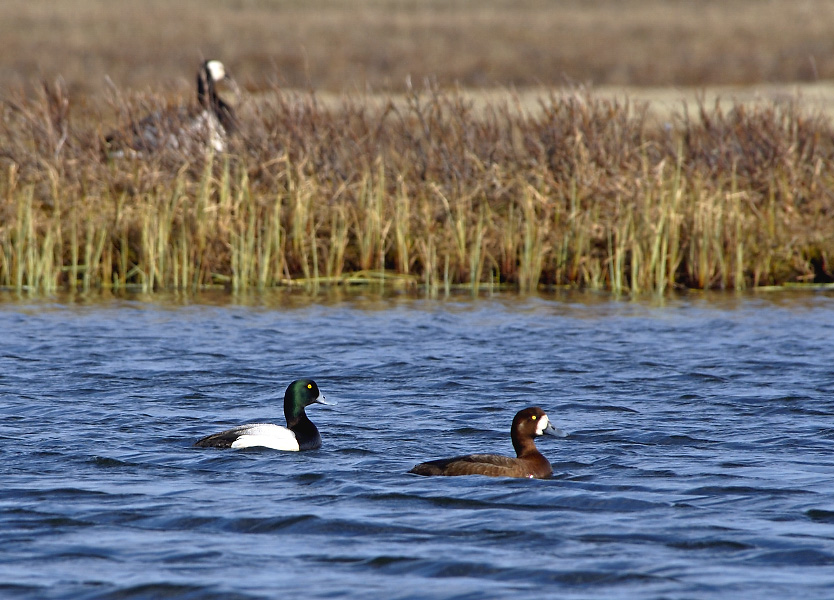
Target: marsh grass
{"x": 423, "y": 191}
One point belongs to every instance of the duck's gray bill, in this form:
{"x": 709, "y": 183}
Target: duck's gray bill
{"x": 551, "y": 430}
{"x": 322, "y": 400}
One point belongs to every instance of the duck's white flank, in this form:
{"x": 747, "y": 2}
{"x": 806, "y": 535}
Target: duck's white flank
{"x": 266, "y": 435}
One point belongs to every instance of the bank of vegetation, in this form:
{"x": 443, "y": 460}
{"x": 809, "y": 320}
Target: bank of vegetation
{"x": 428, "y": 190}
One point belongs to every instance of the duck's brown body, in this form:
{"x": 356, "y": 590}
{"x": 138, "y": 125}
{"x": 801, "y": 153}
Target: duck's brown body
{"x": 529, "y": 462}
{"x": 493, "y": 465}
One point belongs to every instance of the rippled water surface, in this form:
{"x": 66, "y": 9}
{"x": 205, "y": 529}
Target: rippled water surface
{"x": 700, "y": 460}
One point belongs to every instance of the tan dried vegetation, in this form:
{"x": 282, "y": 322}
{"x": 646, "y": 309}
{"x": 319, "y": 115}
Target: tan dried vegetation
{"x": 433, "y": 186}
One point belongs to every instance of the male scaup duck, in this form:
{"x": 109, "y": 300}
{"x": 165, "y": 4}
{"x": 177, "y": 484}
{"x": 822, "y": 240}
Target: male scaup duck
{"x": 527, "y": 425}
{"x": 180, "y": 128}
{"x": 299, "y": 434}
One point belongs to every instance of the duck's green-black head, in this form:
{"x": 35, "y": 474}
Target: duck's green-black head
{"x": 302, "y": 393}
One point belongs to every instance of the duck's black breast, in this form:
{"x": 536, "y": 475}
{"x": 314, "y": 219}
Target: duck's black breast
{"x": 492, "y": 465}
{"x": 305, "y": 432}
{"x": 309, "y": 440}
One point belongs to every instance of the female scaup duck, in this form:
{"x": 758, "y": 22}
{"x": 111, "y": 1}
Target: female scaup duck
{"x": 527, "y": 425}
{"x": 299, "y": 434}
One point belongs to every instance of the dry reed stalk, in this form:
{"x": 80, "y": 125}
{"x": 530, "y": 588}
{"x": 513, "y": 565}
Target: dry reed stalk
{"x": 534, "y": 233}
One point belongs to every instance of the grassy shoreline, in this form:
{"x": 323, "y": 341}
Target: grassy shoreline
{"x": 429, "y": 190}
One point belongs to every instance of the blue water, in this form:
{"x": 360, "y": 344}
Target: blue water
{"x": 700, "y": 461}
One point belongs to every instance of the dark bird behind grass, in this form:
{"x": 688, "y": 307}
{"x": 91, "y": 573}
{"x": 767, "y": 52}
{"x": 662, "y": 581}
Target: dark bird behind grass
{"x": 192, "y": 131}
{"x": 528, "y": 424}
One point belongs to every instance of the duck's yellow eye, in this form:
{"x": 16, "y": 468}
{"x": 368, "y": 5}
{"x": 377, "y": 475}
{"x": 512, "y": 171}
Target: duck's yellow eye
{"x": 309, "y": 386}
{"x": 533, "y": 417}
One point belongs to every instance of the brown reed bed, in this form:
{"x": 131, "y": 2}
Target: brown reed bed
{"x": 427, "y": 190}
